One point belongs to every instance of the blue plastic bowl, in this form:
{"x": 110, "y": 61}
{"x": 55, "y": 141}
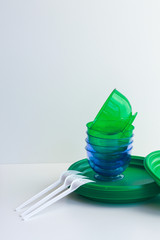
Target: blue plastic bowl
{"x": 108, "y": 173}
{"x": 108, "y": 157}
{"x": 107, "y": 149}
{"x": 111, "y": 165}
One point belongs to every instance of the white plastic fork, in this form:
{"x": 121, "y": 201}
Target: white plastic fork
{"x": 61, "y": 180}
{"x": 68, "y": 181}
{"x": 74, "y": 185}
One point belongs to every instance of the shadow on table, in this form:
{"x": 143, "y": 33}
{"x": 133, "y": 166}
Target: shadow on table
{"x": 151, "y": 206}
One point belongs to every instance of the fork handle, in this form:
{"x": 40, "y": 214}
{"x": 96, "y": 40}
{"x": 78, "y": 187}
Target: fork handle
{"x": 47, "y": 189}
{"x": 47, "y": 204}
{"x": 45, "y": 199}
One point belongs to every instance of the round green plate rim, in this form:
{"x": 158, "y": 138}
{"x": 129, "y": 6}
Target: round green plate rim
{"x": 118, "y": 194}
{"x": 148, "y": 166}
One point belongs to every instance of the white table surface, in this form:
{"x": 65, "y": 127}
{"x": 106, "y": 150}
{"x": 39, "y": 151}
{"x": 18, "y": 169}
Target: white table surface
{"x": 73, "y": 217}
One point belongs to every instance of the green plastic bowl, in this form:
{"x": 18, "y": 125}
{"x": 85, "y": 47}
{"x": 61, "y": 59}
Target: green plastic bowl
{"x": 107, "y": 149}
{"x": 110, "y": 126}
{"x": 130, "y": 121}
{"x": 116, "y": 143}
{"x": 114, "y": 115}
{"x": 127, "y": 134}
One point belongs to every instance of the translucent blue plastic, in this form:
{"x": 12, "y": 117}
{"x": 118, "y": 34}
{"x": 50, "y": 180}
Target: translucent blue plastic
{"x": 107, "y": 149}
{"x": 108, "y": 157}
{"x": 108, "y": 173}
{"x": 111, "y": 165}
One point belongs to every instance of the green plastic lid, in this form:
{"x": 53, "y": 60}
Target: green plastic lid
{"x": 136, "y": 185}
{"x": 152, "y": 165}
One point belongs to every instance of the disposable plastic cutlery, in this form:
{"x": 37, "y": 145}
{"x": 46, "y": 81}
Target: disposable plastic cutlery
{"x": 65, "y": 185}
{"x": 75, "y": 184}
{"x": 61, "y": 180}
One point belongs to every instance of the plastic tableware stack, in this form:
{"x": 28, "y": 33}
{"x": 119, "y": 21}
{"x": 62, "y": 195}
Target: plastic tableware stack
{"x": 109, "y": 155}
{"x": 110, "y": 138}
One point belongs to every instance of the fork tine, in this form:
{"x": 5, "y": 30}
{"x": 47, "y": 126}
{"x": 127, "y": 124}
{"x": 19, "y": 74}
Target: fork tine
{"x": 47, "y": 189}
{"x": 58, "y": 197}
{"x": 66, "y": 184}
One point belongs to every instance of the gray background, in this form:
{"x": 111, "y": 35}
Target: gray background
{"x": 59, "y": 61}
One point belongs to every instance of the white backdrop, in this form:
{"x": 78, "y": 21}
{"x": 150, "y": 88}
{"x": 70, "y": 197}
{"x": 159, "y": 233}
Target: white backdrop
{"x": 59, "y": 61}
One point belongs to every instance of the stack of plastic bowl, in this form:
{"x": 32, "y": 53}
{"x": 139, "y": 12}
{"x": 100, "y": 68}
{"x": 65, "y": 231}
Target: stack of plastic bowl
{"x": 109, "y": 142}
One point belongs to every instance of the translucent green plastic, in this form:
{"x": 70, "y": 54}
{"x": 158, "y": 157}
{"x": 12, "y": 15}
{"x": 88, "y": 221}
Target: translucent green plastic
{"x": 136, "y": 185}
{"x": 114, "y": 115}
{"x": 130, "y": 121}
{"x": 114, "y": 143}
{"x": 152, "y": 165}
{"x": 126, "y": 134}
{"x": 110, "y": 126}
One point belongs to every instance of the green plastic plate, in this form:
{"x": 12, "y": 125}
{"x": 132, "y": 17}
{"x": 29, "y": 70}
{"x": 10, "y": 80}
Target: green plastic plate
{"x": 152, "y": 165}
{"x": 136, "y": 185}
